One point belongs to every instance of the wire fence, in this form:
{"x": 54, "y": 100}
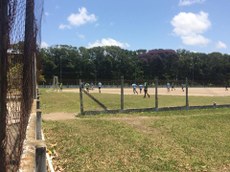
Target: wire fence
{"x": 157, "y": 95}
{"x": 19, "y": 40}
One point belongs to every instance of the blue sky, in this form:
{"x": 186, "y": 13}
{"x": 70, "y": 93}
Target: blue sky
{"x": 194, "y": 25}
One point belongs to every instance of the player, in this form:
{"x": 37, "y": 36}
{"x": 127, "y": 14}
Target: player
{"x": 146, "y": 90}
{"x": 134, "y": 88}
{"x": 140, "y": 87}
{"x": 182, "y": 87}
{"x": 87, "y": 85}
{"x": 99, "y": 86}
{"x": 168, "y": 86}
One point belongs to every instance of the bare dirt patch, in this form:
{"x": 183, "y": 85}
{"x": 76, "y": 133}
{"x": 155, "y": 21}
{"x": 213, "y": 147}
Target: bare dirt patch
{"x": 57, "y": 116}
{"x": 201, "y": 91}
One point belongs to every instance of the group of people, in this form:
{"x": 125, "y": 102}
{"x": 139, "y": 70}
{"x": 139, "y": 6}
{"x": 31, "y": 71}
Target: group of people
{"x": 88, "y": 86}
{"x": 145, "y": 86}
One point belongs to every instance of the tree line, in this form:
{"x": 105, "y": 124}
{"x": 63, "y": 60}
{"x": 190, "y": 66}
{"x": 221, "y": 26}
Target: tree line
{"x": 110, "y": 63}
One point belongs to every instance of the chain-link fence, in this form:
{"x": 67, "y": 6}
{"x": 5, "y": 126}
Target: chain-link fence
{"x": 20, "y": 22}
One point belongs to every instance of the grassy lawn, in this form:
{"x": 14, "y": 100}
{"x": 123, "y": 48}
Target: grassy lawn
{"x": 196, "y": 140}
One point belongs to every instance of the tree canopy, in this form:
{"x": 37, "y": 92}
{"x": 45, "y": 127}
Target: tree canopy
{"x": 111, "y": 62}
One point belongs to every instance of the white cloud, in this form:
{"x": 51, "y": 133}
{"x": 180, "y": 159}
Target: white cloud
{"x": 108, "y": 42}
{"x": 221, "y": 45}
{"x": 63, "y": 26}
{"x": 81, "y": 18}
{"x": 190, "y": 2}
{"x": 44, "y": 45}
{"x": 190, "y": 27}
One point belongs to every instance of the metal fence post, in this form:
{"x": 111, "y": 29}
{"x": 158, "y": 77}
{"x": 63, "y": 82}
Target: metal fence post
{"x": 81, "y": 97}
{"x": 156, "y": 94}
{"x": 186, "y": 91}
{"x": 122, "y": 92}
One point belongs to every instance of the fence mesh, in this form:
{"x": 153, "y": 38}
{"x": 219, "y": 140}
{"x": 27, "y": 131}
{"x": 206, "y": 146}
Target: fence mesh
{"x": 20, "y": 22}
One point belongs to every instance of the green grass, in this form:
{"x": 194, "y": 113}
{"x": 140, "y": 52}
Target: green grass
{"x": 69, "y": 102}
{"x": 196, "y": 140}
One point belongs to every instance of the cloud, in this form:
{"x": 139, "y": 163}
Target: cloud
{"x": 81, "y": 18}
{"x": 63, "y": 26}
{"x": 190, "y": 27}
{"x": 44, "y": 45}
{"x": 221, "y": 45}
{"x": 108, "y": 42}
{"x": 190, "y": 2}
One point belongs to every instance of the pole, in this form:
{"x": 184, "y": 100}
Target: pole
{"x": 4, "y": 38}
{"x": 187, "y": 102}
{"x": 81, "y": 97}
{"x": 156, "y": 94}
{"x": 122, "y": 92}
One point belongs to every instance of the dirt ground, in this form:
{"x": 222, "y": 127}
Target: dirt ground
{"x": 205, "y": 91}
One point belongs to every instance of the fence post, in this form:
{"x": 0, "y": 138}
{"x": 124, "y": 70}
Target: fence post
{"x": 156, "y": 94}
{"x": 122, "y": 92}
{"x": 41, "y": 158}
{"x": 186, "y": 91}
{"x": 4, "y": 37}
{"x": 81, "y": 97}
{"x": 39, "y": 124}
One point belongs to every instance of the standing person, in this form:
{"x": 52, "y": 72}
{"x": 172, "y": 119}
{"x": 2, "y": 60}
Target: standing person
{"x": 173, "y": 87}
{"x": 168, "y": 86}
{"x": 146, "y": 90}
{"x": 182, "y": 87}
{"x": 99, "y": 86}
{"x": 91, "y": 86}
{"x": 61, "y": 86}
{"x": 87, "y": 85}
{"x": 134, "y": 88}
{"x": 140, "y": 87}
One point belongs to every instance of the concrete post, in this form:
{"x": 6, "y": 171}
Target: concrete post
{"x": 122, "y": 92}
{"x": 38, "y": 104}
{"x": 81, "y": 97}
{"x": 156, "y": 94}
{"x": 39, "y": 125}
{"x": 41, "y": 158}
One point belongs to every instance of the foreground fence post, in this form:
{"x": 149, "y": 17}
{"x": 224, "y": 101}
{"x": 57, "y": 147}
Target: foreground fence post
{"x": 186, "y": 91}
{"x": 81, "y": 97}
{"x": 122, "y": 92}
{"x": 156, "y": 94}
{"x": 41, "y": 158}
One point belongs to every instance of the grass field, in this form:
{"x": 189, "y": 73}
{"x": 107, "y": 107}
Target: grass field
{"x": 69, "y": 101}
{"x": 195, "y": 140}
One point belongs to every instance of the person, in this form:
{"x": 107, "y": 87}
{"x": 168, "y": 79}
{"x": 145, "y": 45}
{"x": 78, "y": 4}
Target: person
{"x": 168, "y": 86}
{"x": 60, "y": 86}
{"x": 146, "y": 90}
{"x": 172, "y": 87}
{"x": 140, "y": 87}
{"x": 99, "y": 86}
{"x": 87, "y": 85}
{"x": 226, "y": 87}
{"x": 91, "y": 86}
{"x": 182, "y": 87}
{"x": 134, "y": 88}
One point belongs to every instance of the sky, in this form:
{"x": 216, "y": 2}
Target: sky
{"x": 194, "y": 25}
